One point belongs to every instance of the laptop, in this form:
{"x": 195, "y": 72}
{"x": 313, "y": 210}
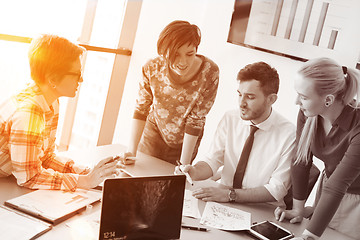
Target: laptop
{"x": 146, "y": 208}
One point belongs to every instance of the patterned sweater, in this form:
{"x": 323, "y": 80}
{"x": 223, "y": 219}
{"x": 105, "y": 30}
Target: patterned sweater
{"x": 176, "y": 108}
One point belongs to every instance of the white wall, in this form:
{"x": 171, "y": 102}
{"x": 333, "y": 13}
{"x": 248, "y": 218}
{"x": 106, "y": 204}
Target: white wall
{"x": 213, "y": 17}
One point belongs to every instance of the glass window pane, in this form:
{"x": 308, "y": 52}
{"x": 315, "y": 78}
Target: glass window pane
{"x": 108, "y": 23}
{"x": 92, "y": 97}
{"x": 65, "y": 18}
{"x": 14, "y": 68}
{"x": 30, "y": 18}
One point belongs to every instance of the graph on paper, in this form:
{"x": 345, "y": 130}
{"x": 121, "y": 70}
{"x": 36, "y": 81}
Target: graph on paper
{"x": 300, "y": 28}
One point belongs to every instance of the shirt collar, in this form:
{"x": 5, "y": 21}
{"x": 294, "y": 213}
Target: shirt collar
{"x": 40, "y": 99}
{"x": 265, "y": 125}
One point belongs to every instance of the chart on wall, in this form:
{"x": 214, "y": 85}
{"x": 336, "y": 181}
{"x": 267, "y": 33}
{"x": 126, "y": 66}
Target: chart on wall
{"x": 299, "y": 29}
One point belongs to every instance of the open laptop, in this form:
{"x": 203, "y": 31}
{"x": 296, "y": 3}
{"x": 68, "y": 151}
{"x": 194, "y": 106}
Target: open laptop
{"x": 146, "y": 208}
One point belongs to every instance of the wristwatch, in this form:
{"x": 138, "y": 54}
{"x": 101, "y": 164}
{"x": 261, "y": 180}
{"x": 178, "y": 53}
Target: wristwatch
{"x": 232, "y": 195}
{"x": 307, "y": 237}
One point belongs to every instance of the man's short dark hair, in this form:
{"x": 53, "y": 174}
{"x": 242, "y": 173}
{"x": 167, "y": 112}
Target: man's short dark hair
{"x": 262, "y": 72}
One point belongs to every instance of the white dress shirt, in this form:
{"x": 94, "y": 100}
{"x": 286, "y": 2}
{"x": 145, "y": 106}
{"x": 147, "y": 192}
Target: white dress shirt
{"x": 270, "y": 158}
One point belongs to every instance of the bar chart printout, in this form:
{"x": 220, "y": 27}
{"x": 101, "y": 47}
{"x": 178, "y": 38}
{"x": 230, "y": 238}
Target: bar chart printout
{"x": 302, "y": 29}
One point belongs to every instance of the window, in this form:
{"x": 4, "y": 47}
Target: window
{"x": 28, "y": 19}
{"x": 99, "y": 25}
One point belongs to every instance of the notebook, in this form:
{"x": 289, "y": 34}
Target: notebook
{"x": 54, "y": 206}
{"x": 142, "y": 207}
{"x": 17, "y": 225}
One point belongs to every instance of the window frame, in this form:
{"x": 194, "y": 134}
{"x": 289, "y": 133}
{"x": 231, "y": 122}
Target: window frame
{"x": 121, "y": 63}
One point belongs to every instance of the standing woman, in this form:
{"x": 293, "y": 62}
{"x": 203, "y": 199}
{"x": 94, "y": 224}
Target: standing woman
{"x": 176, "y": 93}
{"x": 328, "y": 127}
{"x": 29, "y": 119}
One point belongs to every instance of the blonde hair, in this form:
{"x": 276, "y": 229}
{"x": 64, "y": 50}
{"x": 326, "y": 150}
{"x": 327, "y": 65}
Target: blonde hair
{"x": 328, "y": 78}
{"x": 51, "y": 54}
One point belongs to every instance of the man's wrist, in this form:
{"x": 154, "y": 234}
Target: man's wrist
{"x": 232, "y": 195}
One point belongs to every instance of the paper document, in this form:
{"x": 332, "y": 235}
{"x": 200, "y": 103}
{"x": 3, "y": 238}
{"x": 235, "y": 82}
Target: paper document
{"x": 17, "y": 225}
{"x": 222, "y": 217}
{"x": 190, "y": 207}
{"x": 87, "y": 227}
{"x": 54, "y": 205}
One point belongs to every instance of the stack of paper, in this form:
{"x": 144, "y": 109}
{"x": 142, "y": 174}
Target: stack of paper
{"x": 17, "y": 225}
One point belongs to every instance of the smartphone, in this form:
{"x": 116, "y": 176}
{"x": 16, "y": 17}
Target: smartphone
{"x": 270, "y": 231}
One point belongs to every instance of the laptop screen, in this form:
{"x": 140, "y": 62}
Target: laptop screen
{"x": 142, "y": 207}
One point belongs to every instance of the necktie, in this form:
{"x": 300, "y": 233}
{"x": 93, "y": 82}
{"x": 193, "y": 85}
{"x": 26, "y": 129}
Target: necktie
{"x": 244, "y": 157}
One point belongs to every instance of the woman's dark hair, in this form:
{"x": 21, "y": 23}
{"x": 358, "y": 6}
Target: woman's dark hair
{"x": 175, "y": 35}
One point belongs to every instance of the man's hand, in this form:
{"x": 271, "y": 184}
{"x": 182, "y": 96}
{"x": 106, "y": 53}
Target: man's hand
{"x": 212, "y": 194}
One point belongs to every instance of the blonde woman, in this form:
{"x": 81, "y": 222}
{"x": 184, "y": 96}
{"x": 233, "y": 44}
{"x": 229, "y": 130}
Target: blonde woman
{"x": 328, "y": 128}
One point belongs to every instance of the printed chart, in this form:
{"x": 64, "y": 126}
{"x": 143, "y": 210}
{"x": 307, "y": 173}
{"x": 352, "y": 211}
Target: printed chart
{"x": 303, "y": 28}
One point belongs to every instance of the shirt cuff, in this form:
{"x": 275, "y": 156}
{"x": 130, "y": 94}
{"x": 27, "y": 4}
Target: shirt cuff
{"x": 195, "y": 131}
{"x": 69, "y": 181}
{"x": 139, "y": 116}
{"x": 213, "y": 165}
{"x": 277, "y": 192}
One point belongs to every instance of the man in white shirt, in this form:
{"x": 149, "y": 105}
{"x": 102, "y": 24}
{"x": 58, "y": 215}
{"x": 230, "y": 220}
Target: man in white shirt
{"x": 267, "y": 173}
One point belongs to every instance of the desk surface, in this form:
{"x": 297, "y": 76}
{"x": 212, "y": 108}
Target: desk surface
{"x": 82, "y": 225}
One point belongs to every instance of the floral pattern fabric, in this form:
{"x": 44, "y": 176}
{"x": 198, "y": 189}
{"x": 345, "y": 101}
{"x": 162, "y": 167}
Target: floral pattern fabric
{"x": 176, "y": 108}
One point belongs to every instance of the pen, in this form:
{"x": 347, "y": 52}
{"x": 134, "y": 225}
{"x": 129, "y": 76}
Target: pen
{"x": 186, "y": 174}
{"x": 194, "y": 228}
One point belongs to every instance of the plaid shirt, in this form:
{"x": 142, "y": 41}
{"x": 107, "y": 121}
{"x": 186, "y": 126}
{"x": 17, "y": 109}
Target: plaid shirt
{"x": 27, "y": 143}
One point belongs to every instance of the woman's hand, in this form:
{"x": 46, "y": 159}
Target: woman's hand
{"x": 294, "y": 215}
{"x": 182, "y": 169}
{"x": 106, "y": 168}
